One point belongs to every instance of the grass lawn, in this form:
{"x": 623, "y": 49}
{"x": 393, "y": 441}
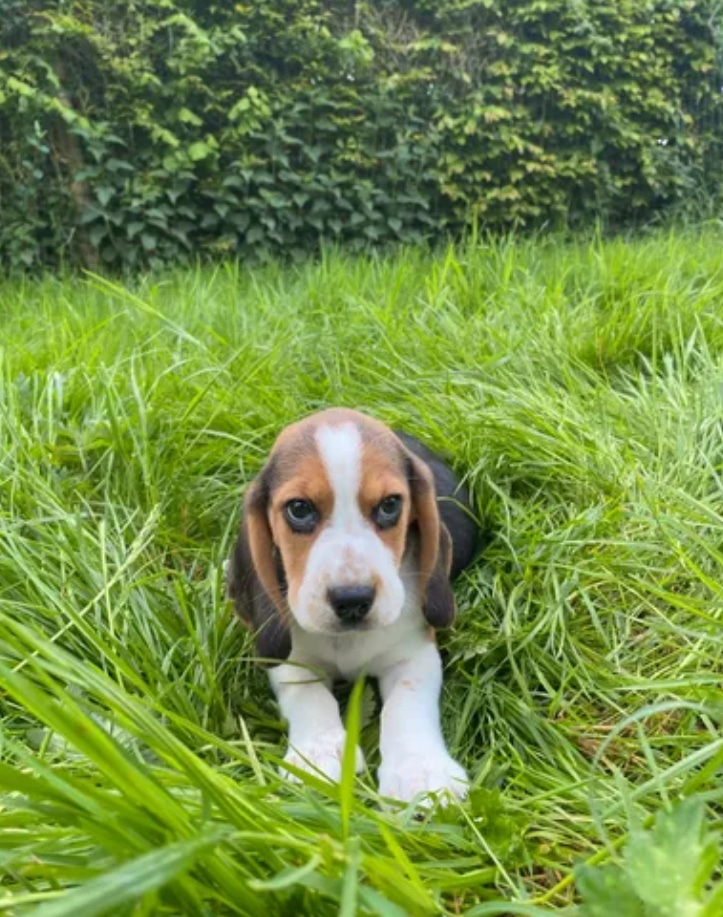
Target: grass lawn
{"x": 579, "y": 388}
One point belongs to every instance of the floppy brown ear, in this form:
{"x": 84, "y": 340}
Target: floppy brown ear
{"x": 435, "y": 547}
{"x": 255, "y": 576}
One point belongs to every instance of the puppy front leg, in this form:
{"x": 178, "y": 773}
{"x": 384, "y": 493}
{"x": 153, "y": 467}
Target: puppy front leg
{"x": 414, "y": 756}
{"x": 316, "y": 732}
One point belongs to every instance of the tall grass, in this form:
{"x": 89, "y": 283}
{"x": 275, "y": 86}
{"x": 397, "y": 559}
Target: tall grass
{"x": 579, "y": 390}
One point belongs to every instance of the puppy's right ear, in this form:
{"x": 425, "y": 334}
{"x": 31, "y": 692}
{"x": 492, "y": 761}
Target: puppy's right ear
{"x": 255, "y": 576}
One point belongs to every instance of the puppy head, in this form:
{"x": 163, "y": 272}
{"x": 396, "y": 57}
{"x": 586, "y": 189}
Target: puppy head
{"x": 327, "y": 524}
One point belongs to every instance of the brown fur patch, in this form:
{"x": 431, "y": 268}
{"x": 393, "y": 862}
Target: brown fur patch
{"x": 382, "y": 475}
{"x": 300, "y": 476}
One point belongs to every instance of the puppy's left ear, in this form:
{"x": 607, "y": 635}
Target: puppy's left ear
{"x": 435, "y": 546}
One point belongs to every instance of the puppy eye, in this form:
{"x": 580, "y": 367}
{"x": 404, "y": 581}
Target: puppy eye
{"x": 301, "y": 515}
{"x": 387, "y": 513}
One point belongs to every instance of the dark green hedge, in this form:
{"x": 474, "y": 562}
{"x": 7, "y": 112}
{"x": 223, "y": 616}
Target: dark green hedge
{"x": 133, "y": 133}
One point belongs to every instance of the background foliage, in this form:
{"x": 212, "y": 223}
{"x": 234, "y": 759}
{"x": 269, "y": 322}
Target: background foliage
{"x": 136, "y": 132}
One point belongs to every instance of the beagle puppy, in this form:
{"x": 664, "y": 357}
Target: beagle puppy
{"x": 349, "y": 536}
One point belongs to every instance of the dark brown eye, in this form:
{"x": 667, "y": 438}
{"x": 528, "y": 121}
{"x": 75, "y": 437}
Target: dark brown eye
{"x": 387, "y": 512}
{"x": 301, "y": 515}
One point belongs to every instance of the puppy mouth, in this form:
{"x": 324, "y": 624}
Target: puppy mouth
{"x": 367, "y": 625}
{"x": 336, "y": 628}
{"x": 343, "y": 627}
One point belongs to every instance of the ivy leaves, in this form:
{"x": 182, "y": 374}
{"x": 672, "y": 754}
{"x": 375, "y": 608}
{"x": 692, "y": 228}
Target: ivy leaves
{"x": 134, "y": 135}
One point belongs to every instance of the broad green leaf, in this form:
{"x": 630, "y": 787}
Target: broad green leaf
{"x": 607, "y": 891}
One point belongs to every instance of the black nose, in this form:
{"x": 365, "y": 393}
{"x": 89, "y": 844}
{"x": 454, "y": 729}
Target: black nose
{"x": 351, "y": 603}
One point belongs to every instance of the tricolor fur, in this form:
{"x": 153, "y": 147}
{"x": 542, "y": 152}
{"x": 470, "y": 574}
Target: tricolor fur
{"x": 348, "y": 539}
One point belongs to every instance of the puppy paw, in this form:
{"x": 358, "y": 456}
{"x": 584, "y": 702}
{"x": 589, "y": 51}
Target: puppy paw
{"x": 405, "y": 776}
{"x": 321, "y": 757}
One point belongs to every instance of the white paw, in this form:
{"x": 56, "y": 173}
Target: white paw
{"x": 405, "y": 776}
{"x": 321, "y": 757}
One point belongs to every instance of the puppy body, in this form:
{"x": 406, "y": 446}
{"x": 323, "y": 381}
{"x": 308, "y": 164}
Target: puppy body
{"x": 342, "y": 566}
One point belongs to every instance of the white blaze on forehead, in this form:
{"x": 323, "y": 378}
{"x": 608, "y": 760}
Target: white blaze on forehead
{"x": 340, "y": 449}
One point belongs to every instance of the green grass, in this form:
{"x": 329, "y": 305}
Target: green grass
{"x": 579, "y": 388}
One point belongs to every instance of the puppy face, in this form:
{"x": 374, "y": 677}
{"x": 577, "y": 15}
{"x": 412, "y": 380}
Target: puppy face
{"x": 339, "y": 508}
{"x": 327, "y": 524}
{"x": 341, "y": 503}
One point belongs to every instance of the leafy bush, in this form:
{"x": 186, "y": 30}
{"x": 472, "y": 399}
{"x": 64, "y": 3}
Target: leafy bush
{"x": 138, "y": 132}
